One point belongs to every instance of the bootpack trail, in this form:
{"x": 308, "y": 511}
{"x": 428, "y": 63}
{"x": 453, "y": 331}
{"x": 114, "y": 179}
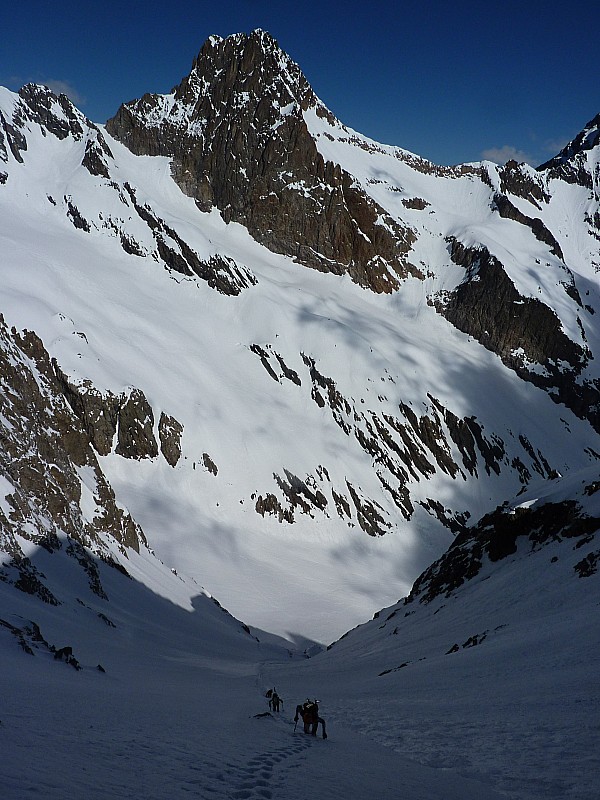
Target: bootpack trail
{"x": 190, "y": 730}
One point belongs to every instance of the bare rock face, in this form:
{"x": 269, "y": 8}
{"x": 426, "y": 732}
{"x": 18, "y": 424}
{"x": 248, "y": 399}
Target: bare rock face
{"x": 169, "y": 433}
{"x": 522, "y": 331}
{"x": 135, "y": 436}
{"x": 11, "y": 139}
{"x": 521, "y": 183}
{"x": 209, "y": 464}
{"x": 40, "y": 104}
{"x": 235, "y": 130}
{"x": 99, "y": 413}
{"x": 127, "y": 418}
{"x": 96, "y": 154}
{"x": 47, "y": 457}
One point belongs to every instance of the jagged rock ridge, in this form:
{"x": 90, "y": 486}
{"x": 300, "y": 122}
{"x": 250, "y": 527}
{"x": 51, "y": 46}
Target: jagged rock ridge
{"x": 575, "y": 162}
{"x": 235, "y": 130}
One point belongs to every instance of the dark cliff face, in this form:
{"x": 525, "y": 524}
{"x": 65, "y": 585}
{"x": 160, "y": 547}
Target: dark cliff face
{"x": 498, "y": 535}
{"x": 235, "y": 130}
{"x": 522, "y": 331}
{"x": 44, "y": 453}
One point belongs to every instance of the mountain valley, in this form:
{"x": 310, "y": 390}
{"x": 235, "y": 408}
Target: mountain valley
{"x": 251, "y": 357}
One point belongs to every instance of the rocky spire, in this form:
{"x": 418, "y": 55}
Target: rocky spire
{"x": 235, "y": 130}
{"x": 573, "y": 163}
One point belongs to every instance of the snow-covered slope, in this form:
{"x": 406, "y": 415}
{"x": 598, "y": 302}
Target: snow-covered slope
{"x": 301, "y": 442}
{"x": 490, "y": 665}
{"x": 485, "y": 689}
{"x": 247, "y": 352}
{"x": 172, "y": 712}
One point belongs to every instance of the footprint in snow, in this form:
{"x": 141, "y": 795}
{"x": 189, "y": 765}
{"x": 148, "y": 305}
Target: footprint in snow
{"x": 255, "y": 777}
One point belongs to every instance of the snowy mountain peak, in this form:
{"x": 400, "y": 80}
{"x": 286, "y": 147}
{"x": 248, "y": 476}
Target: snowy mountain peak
{"x": 586, "y": 139}
{"x": 579, "y": 161}
{"x": 244, "y": 75}
{"x": 261, "y": 412}
{"x": 246, "y": 64}
{"x": 236, "y": 132}
{"x": 36, "y": 108}
{"x": 55, "y": 113}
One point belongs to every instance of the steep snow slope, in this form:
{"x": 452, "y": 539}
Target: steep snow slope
{"x": 300, "y": 396}
{"x": 301, "y": 442}
{"x": 489, "y": 666}
{"x": 544, "y": 235}
{"x": 173, "y": 713}
{"x": 488, "y": 691}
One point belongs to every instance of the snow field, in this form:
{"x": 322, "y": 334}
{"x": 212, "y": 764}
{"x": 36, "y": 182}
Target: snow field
{"x": 123, "y": 321}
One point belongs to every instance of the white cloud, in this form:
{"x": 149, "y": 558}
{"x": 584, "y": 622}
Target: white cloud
{"x": 64, "y": 87}
{"x": 500, "y": 155}
{"x": 555, "y": 146}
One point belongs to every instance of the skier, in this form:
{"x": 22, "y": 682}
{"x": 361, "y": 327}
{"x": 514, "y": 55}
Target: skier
{"x": 309, "y": 711}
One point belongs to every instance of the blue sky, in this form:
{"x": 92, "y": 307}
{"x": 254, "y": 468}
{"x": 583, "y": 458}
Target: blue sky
{"x": 453, "y": 82}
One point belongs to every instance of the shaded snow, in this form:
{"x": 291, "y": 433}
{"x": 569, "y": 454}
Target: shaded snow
{"x": 123, "y": 321}
{"x": 413, "y": 710}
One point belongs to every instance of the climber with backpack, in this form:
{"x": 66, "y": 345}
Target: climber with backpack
{"x": 275, "y": 701}
{"x": 309, "y": 713}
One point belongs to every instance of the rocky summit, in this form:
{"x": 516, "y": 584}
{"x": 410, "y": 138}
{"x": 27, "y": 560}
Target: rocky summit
{"x": 246, "y": 343}
{"x": 236, "y": 132}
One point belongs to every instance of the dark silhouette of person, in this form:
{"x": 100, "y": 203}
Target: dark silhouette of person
{"x": 309, "y": 712}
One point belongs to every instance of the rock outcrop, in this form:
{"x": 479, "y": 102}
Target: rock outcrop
{"x": 123, "y": 423}
{"x": 235, "y": 130}
{"x": 523, "y": 331}
{"x": 50, "y": 474}
{"x": 497, "y": 535}
{"x": 169, "y": 433}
